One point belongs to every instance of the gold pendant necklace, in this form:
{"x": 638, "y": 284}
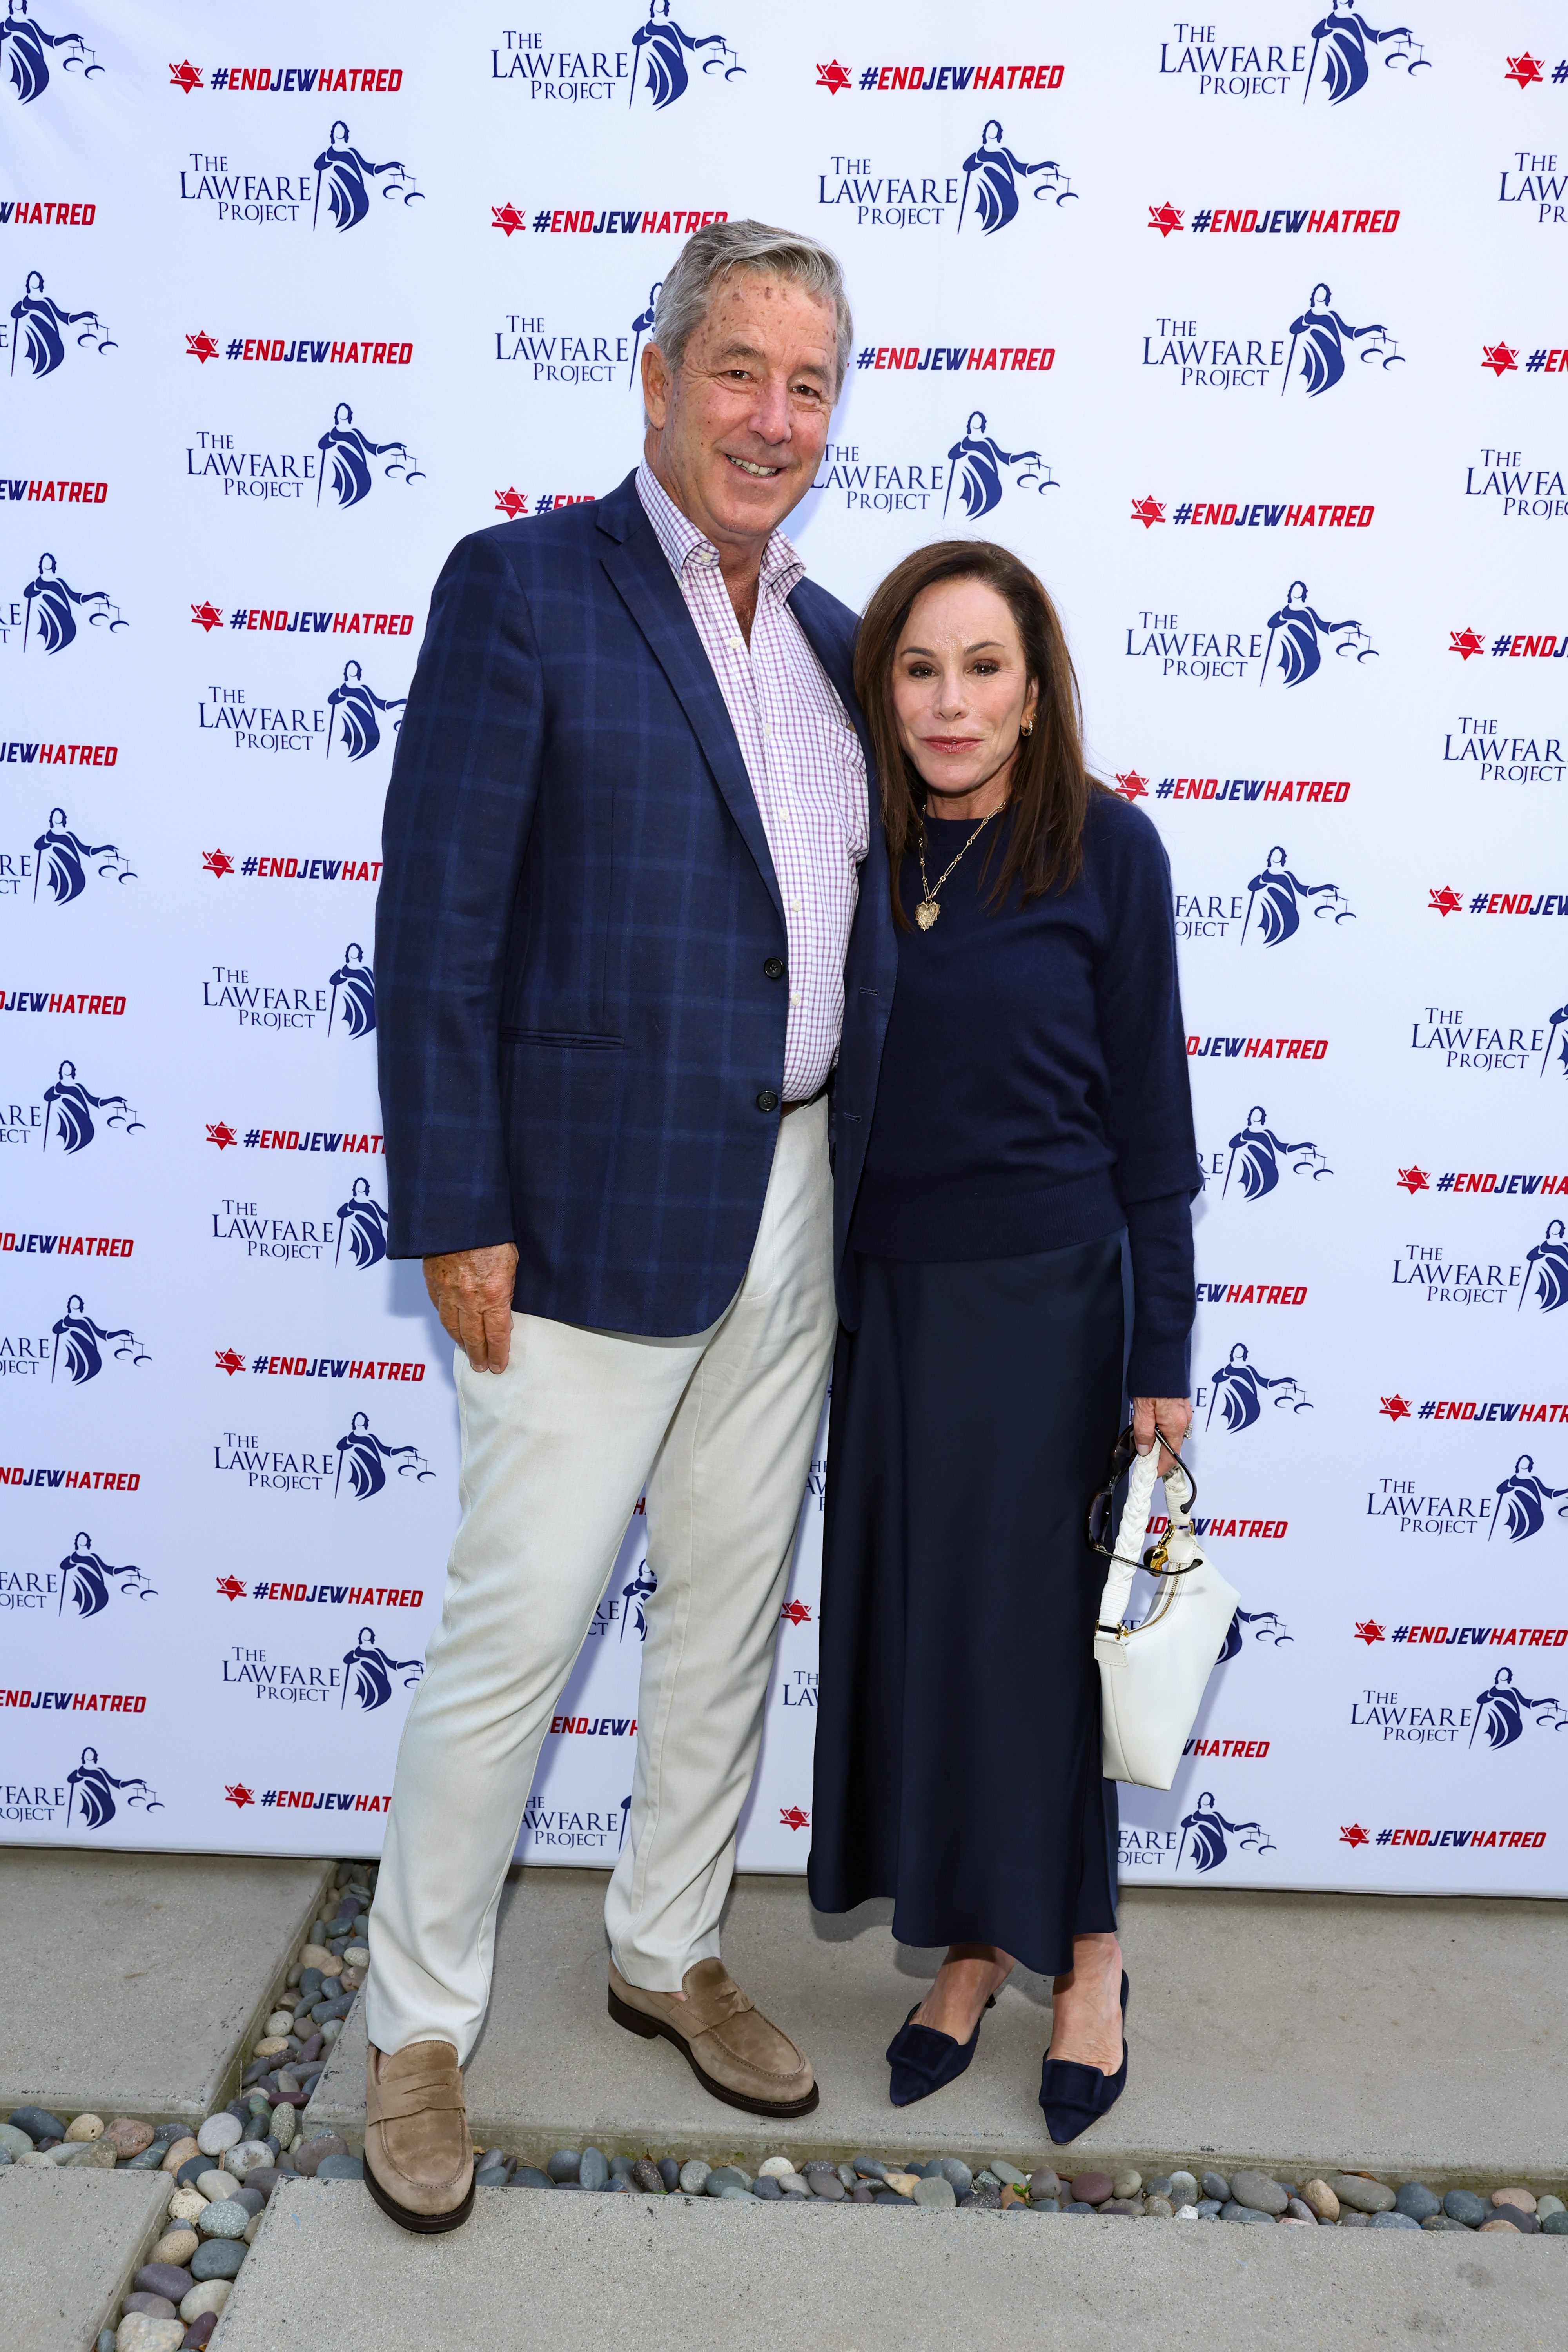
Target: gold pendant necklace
{"x": 929, "y": 908}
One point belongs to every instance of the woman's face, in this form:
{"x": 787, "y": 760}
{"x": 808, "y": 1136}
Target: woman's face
{"x": 959, "y": 691}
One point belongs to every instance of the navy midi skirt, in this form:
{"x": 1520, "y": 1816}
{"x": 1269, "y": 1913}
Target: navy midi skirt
{"x": 958, "y": 1734}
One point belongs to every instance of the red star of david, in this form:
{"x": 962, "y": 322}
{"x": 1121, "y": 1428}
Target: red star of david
{"x": 1398, "y": 1408}
{"x": 1466, "y": 642}
{"x": 238, "y": 1795}
{"x": 1355, "y": 1835}
{"x": 1368, "y": 1631}
{"x": 511, "y": 503}
{"x": 1164, "y": 217}
{"x": 1132, "y": 786}
{"x": 1444, "y": 901}
{"x": 1498, "y": 357}
{"x": 1413, "y": 1179}
{"x": 225, "y": 1360}
{"x": 230, "y": 1588}
{"x": 1148, "y": 511}
{"x": 217, "y": 863}
{"x": 223, "y": 1135}
{"x": 507, "y": 217}
{"x": 201, "y": 347}
{"x": 797, "y": 1612}
{"x": 793, "y": 1818}
{"x": 1524, "y": 70}
{"x": 832, "y": 77}
{"x": 186, "y": 76}
{"x": 206, "y": 616}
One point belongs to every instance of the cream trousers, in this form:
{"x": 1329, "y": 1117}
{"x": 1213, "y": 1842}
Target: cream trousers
{"x": 555, "y": 1453}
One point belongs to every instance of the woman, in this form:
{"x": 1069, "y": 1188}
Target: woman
{"x": 1032, "y": 1109}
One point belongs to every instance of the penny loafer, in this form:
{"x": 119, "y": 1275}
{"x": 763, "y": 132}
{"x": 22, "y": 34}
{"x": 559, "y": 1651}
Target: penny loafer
{"x": 924, "y": 2061}
{"x": 728, "y": 2043}
{"x": 418, "y": 2162}
{"x": 1075, "y": 2095}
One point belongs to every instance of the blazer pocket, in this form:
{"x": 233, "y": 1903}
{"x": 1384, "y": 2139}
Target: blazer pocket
{"x": 578, "y": 1040}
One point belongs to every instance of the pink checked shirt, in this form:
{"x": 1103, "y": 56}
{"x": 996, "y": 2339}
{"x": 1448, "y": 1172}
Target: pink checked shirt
{"x": 805, "y": 764}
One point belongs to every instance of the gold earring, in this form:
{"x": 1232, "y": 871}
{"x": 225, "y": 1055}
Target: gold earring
{"x": 1026, "y": 726}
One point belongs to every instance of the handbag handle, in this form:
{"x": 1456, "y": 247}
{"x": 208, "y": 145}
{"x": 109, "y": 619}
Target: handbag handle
{"x": 1127, "y": 1551}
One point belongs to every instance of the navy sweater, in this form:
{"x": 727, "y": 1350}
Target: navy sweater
{"x": 1034, "y": 1081}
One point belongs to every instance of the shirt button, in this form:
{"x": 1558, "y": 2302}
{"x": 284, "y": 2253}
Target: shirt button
{"x": 793, "y": 997}
{"x": 773, "y": 968}
{"x": 767, "y": 1099}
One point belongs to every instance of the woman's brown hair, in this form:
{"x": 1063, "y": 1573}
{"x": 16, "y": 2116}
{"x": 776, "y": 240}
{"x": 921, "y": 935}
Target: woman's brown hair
{"x": 1050, "y": 786}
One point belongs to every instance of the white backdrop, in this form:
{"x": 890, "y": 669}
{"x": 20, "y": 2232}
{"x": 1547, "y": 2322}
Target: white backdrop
{"x": 279, "y": 330}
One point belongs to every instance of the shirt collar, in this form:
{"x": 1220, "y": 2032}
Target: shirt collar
{"x": 683, "y": 544}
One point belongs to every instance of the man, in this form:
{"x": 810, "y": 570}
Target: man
{"x": 628, "y": 823}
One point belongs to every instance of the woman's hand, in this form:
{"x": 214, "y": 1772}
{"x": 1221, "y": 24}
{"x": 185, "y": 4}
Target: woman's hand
{"x": 1173, "y": 1414}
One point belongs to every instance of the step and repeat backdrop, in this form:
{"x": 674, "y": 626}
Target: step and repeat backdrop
{"x": 1249, "y": 334}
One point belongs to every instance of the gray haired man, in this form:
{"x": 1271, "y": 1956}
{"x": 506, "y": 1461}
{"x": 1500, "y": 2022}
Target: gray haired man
{"x": 624, "y": 849}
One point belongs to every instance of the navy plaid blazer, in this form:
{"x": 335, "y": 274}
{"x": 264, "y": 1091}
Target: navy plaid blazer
{"x": 574, "y": 1023}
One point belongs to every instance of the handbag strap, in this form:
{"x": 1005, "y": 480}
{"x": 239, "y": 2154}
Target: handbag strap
{"x": 1127, "y": 1552}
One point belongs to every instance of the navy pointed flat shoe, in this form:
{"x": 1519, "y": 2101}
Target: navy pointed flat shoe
{"x": 1075, "y": 2095}
{"x": 924, "y": 2061}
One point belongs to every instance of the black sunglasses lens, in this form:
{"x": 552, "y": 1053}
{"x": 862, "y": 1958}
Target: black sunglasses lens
{"x": 1099, "y": 1518}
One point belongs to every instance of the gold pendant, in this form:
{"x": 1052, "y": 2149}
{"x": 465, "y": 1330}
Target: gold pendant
{"x": 926, "y": 913}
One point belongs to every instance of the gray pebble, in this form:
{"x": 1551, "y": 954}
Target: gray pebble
{"x": 846, "y": 2174}
{"x": 795, "y": 2184}
{"x": 953, "y": 2168}
{"x": 1362, "y": 2196}
{"x": 986, "y": 2179}
{"x": 149, "y": 2307}
{"x": 734, "y": 2192}
{"x": 694, "y": 2175}
{"x": 1255, "y": 2190}
{"x": 164, "y": 2278}
{"x": 529, "y": 2176}
{"x": 622, "y": 2168}
{"x": 768, "y": 2189}
{"x": 1159, "y": 2209}
{"x": 222, "y": 2219}
{"x": 149, "y": 2160}
{"x": 1159, "y": 2186}
{"x": 646, "y": 2175}
{"x": 1216, "y": 2186}
{"x": 669, "y": 2172}
{"x": 105, "y": 2341}
{"x": 829, "y": 2185}
{"x": 563, "y": 2164}
{"x": 1554, "y": 2225}
{"x": 1464, "y": 2205}
{"x": 617, "y": 2186}
{"x": 1349, "y": 2220}
{"x": 1392, "y": 2221}
{"x": 487, "y": 2175}
{"x": 938, "y": 2191}
{"x": 869, "y": 2168}
{"x": 219, "y": 2258}
{"x": 1008, "y": 2174}
{"x": 1045, "y": 2205}
{"x": 1414, "y": 2197}
{"x": 38, "y": 2123}
{"x": 985, "y": 2197}
{"x": 1182, "y": 2189}
{"x": 14, "y": 2141}
{"x": 1300, "y": 2212}
{"x": 309, "y": 2154}
{"x": 1044, "y": 2183}
{"x": 1441, "y": 2221}
{"x": 573, "y": 2188}
{"x": 1208, "y": 2206}
{"x": 335, "y": 2167}
{"x": 728, "y": 2175}
{"x": 593, "y": 2167}
{"x": 191, "y": 2171}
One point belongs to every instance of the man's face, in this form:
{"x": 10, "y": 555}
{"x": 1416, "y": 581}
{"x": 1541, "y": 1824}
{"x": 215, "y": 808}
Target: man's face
{"x": 736, "y": 437}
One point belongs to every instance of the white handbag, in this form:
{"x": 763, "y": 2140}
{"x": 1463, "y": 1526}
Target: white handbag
{"x": 1152, "y": 1675}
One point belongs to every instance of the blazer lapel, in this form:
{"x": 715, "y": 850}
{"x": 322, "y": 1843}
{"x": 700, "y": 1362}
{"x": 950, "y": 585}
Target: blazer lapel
{"x": 648, "y": 586}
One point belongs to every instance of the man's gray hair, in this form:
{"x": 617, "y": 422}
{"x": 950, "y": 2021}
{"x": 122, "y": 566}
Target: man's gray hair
{"x": 714, "y": 253}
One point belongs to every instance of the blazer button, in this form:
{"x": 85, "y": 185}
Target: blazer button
{"x": 773, "y": 968}
{"x": 767, "y": 1099}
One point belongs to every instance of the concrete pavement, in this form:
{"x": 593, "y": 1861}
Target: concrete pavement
{"x": 69, "y": 2242}
{"x": 1407, "y": 2036}
{"x": 683, "y": 2274}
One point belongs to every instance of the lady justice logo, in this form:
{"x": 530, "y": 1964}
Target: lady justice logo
{"x": 1341, "y": 41}
{"x": 1209, "y": 1834}
{"x": 1239, "y": 1390}
{"x": 660, "y": 48}
{"x": 363, "y": 1459}
{"x": 68, "y": 1107}
{"x": 346, "y": 452}
{"x": 24, "y": 47}
{"x": 1547, "y": 1281}
{"x": 1502, "y": 1712}
{"x": 1263, "y": 1624}
{"x": 355, "y": 1009}
{"x": 62, "y": 860}
{"x": 362, "y": 1221}
{"x": 38, "y": 336}
{"x": 1300, "y": 630}
{"x": 1522, "y": 1501}
{"x": 50, "y": 600}
{"x": 1277, "y": 896}
{"x": 978, "y": 465}
{"x": 80, "y": 1344}
{"x": 1320, "y": 336}
{"x": 368, "y": 1671}
{"x": 94, "y": 1788}
{"x": 84, "y": 1579}
{"x": 344, "y": 177}
{"x": 1256, "y": 1155}
{"x": 356, "y": 705}
{"x": 993, "y": 171}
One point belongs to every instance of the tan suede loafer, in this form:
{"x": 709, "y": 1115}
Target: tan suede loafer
{"x": 728, "y": 2046}
{"x": 418, "y": 2163}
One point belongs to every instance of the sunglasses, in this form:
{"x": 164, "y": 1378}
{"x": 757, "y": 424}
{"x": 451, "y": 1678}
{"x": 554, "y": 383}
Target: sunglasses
{"x": 1101, "y": 1526}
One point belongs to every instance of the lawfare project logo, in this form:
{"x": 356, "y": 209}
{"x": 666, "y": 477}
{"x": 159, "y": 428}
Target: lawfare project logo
{"x": 343, "y": 466}
{"x": 983, "y": 190}
{"x": 81, "y": 1586}
{"x": 49, "y": 617}
{"x": 1330, "y": 62}
{"x": 333, "y": 194}
{"x": 63, "y": 1116}
{"x": 367, "y": 1675}
{"x": 352, "y": 1236}
{"x": 28, "y": 51}
{"x": 344, "y": 1003}
{"x": 43, "y": 332}
{"x": 972, "y": 476}
{"x": 1256, "y": 1158}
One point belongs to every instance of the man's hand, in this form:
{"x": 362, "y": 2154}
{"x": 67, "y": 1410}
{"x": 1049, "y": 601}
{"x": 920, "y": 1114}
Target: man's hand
{"x": 1173, "y": 1415}
{"x": 472, "y": 1292}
